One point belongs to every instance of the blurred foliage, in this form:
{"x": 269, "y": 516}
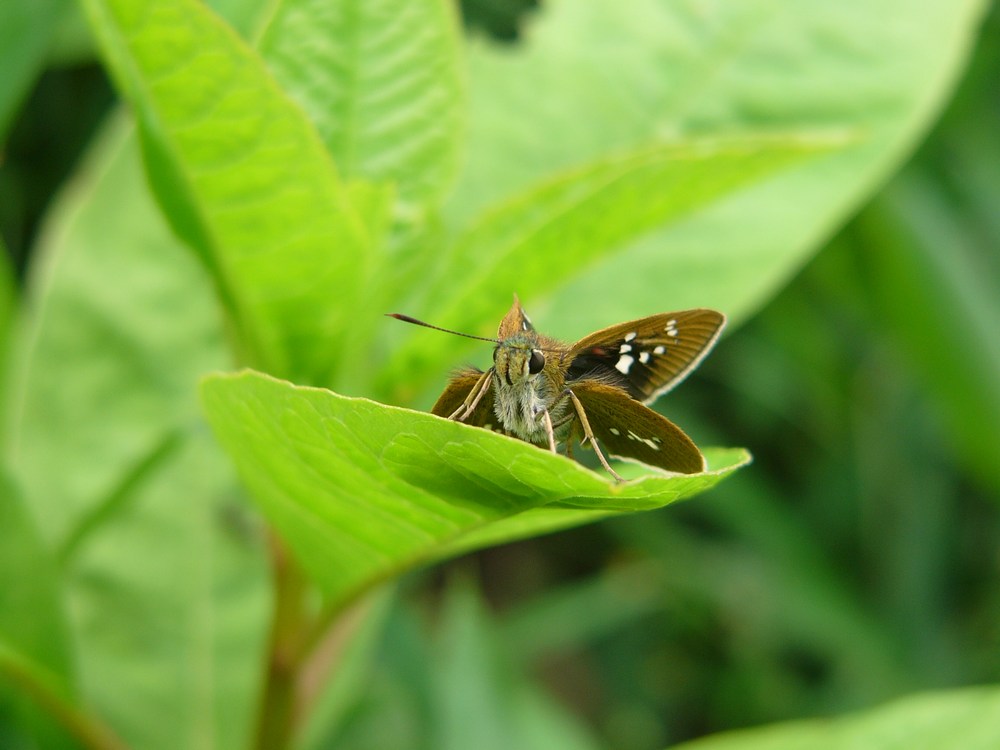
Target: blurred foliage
{"x": 44, "y": 145}
{"x": 856, "y": 562}
{"x": 500, "y": 19}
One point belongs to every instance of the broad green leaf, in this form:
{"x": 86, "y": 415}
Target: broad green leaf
{"x": 31, "y": 617}
{"x": 105, "y": 370}
{"x": 380, "y": 80}
{"x": 37, "y": 676}
{"x": 578, "y": 91}
{"x": 556, "y": 230}
{"x": 243, "y": 15}
{"x": 169, "y": 602}
{"x": 362, "y": 491}
{"x": 243, "y": 178}
{"x": 8, "y": 302}
{"x": 965, "y": 719}
{"x": 142, "y": 511}
{"x": 26, "y": 28}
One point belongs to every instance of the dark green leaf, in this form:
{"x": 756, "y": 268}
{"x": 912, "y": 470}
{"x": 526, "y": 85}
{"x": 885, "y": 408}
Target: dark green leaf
{"x": 26, "y": 29}
{"x": 929, "y": 283}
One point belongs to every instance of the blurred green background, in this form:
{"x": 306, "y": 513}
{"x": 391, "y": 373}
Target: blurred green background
{"x": 857, "y": 560}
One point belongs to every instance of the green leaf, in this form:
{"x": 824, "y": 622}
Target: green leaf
{"x": 363, "y": 491}
{"x": 170, "y": 600}
{"x": 31, "y": 617}
{"x": 554, "y": 231}
{"x": 964, "y": 719}
{"x": 164, "y": 573}
{"x": 37, "y": 677}
{"x": 105, "y": 370}
{"x": 62, "y": 724}
{"x": 8, "y": 302}
{"x": 243, "y": 178}
{"x": 736, "y": 67}
{"x": 26, "y": 29}
{"x": 380, "y": 80}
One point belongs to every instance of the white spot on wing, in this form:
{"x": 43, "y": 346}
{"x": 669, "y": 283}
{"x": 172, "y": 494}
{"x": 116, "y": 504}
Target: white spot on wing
{"x": 644, "y": 357}
{"x": 659, "y": 350}
{"x": 624, "y": 349}
{"x": 630, "y": 336}
{"x": 671, "y": 327}
{"x": 624, "y": 363}
{"x": 651, "y": 442}
{"x": 614, "y": 431}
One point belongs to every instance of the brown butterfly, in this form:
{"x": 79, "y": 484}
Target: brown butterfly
{"x": 596, "y": 390}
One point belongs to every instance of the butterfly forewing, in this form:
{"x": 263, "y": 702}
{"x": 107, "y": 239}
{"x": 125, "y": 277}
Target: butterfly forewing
{"x": 626, "y": 428}
{"x": 455, "y": 393}
{"x": 647, "y": 357}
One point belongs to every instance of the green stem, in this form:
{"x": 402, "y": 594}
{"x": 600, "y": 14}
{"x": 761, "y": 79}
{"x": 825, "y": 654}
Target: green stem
{"x": 279, "y": 712}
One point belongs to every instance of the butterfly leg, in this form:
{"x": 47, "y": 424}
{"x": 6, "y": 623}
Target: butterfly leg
{"x": 549, "y": 431}
{"x": 472, "y": 400}
{"x": 589, "y": 434}
{"x": 568, "y": 418}
{"x": 574, "y": 434}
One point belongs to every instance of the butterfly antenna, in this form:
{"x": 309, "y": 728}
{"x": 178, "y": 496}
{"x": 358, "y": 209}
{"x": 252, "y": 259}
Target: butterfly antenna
{"x": 408, "y": 319}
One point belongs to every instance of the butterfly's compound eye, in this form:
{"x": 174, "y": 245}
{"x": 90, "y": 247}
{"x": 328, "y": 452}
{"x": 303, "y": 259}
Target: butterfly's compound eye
{"x": 536, "y": 362}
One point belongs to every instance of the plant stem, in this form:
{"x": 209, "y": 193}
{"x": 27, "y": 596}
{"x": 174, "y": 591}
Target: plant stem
{"x": 323, "y": 651}
{"x": 279, "y": 711}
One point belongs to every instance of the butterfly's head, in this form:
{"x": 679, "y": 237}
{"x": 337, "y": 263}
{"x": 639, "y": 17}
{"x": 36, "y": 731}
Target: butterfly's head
{"x": 526, "y": 385}
{"x": 516, "y": 359}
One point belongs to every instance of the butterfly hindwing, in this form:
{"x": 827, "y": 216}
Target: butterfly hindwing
{"x": 457, "y": 390}
{"x": 647, "y": 357}
{"x": 650, "y": 437}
